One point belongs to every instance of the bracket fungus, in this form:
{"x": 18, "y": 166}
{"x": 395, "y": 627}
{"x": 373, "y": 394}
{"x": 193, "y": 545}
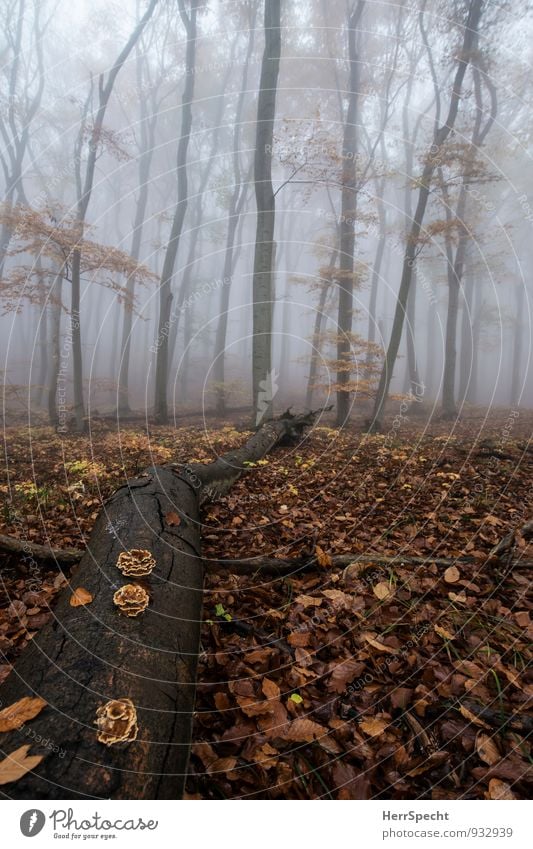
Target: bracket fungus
{"x": 116, "y": 722}
{"x": 136, "y": 562}
{"x": 131, "y": 599}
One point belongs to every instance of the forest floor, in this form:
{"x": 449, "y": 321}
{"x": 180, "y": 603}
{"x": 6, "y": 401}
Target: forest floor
{"x": 397, "y": 681}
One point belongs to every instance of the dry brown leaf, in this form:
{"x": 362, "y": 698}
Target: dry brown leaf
{"x": 17, "y": 764}
{"x": 308, "y": 600}
{"x": 371, "y": 640}
{"x": 383, "y": 590}
{"x": 373, "y": 726}
{"x": 472, "y": 717}
{"x": 344, "y": 673}
{"x": 487, "y": 749}
{"x": 205, "y": 752}
{"x": 322, "y": 558}
{"x": 80, "y": 597}
{"x": 172, "y": 519}
{"x": 222, "y": 765}
{"x": 252, "y": 707}
{"x": 266, "y": 755}
{"x": 442, "y": 632}
{"x": 459, "y": 598}
{"x": 499, "y": 790}
{"x": 298, "y": 638}
{"x": 304, "y": 731}
{"x": 270, "y": 689}
{"x": 20, "y": 712}
{"x": 452, "y": 575}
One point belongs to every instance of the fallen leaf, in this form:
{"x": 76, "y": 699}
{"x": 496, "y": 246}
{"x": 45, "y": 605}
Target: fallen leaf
{"x": 452, "y": 575}
{"x": 17, "y": 764}
{"x": 322, "y": 558}
{"x": 299, "y": 638}
{"x": 442, "y": 632}
{"x": 472, "y": 717}
{"x": 487, "y": 749}
{"x": 304, "y": 731}
{"x": 308, "y": 600}
{"x": 371, "y": 640}
{"x": 173, "y": 519}
{"x": 499, "y": 790}
{"x": 344, "y": 673}
{"x": 373, "y": 726}
{"x": 270, "y": 689}
{"x": 80, "y": 597}
{"x": 20, "y": 712}
{"x": 252, "y": 707}
{"x": 222, "y": 765}
{"x": 383, "y": 590}
{"x": 459, "y": 598}
{"x": 266, "y": 755}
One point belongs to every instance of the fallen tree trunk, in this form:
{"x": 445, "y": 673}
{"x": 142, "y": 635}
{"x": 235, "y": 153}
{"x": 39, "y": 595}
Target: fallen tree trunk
{"x": 291, "y": 566}
{"x": 93, "y": 654}
{"x": 41, "y": 553}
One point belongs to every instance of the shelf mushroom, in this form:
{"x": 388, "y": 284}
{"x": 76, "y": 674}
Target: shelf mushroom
{"x": 131, "y": 599}
{"x": 116, "y": 722}
{"x": 136, "y": 562}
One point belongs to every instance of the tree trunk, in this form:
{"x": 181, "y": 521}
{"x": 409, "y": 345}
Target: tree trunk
{"x": 75, "y": 329}
{"x": 147, "y": 131}
{"x": 165, "y": 288}
{"x": 518, "y": 327}
{"x": 55, "y": 343}
{"x": 465, "y": 361}
{"x": 412, "y": 364}
{"x": 317, "y": 330}
{"x": 347, "y": 225}
{"x": 263, "y": 378}
{"x": 93, "y": 654}
{"x": 479, "y": 133}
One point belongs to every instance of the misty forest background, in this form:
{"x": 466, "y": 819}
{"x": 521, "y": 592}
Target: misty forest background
{"x": 132, "y": 180}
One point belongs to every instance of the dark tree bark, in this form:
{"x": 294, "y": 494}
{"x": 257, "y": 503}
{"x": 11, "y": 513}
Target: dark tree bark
{"x": 90, "y": 655}
{"x": 263, "y": 288}
{"x": 165, "y": 287}
{"x": 432, "y": 160}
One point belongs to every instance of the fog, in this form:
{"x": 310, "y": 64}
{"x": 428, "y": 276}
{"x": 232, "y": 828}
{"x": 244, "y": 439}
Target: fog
{"x": 71, "y": 102}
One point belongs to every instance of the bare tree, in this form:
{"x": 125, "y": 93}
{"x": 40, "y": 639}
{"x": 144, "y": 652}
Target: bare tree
{"x": 440, "y": 135}
{"x": 263, "y": 290}
{"x": 189, "y": 19}
{"x": 347, "y": 226}
{"x": 84, "y": 187}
